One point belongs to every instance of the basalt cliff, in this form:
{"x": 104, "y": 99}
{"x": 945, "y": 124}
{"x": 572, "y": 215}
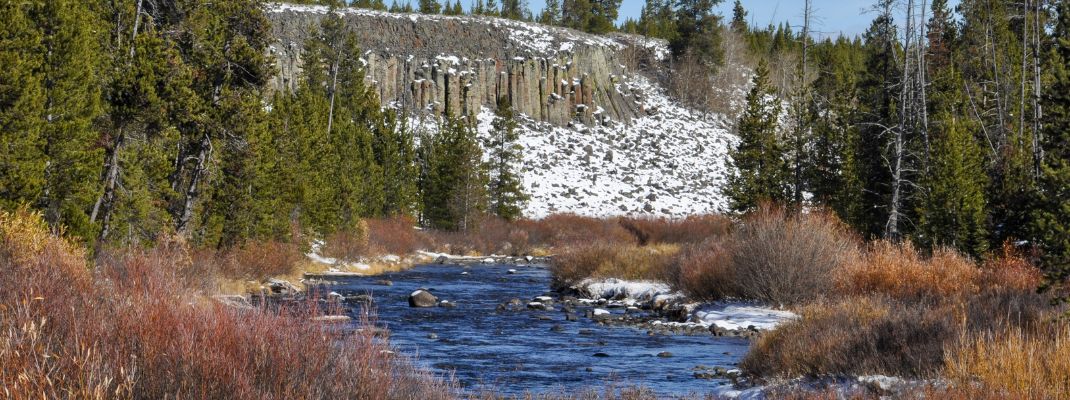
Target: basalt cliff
{"x": 600, "y": 134}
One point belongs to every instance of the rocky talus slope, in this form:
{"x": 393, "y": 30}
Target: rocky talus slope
{"x": 601, "y": 136}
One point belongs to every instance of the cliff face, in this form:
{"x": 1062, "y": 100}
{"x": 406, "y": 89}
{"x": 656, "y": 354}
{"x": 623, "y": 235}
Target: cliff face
{"x": 456, "y": 65}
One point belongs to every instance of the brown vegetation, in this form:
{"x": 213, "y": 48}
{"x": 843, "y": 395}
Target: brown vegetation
{"x": 128, "y": 327}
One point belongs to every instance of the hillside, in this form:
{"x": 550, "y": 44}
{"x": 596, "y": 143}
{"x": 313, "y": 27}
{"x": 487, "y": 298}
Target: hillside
{"x": 601, "y": 136}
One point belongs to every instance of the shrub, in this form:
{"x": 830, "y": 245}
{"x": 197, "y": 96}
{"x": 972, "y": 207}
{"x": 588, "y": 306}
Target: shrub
{"x": 704, "y": 272}
{"x": 395, "y": 235}
{"x": 604, "y": 260}
{"x": 132, "y": 329}
{"x": 561, "y": 230}
{"x": 788, "y": 258}
{"x": 1010, "y": 269}
{"x": 856, "y": 336}
{"x": 1013, "y": 363}
{"x": 349, "y": 244}
{"x": 900, "y": 271}
{"x": 261, "y": 260}
{"x": 694, "y": 229}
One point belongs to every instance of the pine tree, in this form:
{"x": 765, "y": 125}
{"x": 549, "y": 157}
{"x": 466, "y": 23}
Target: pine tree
{"x": 507, "y": 195}
{"x": 72, "y": 104}
{"x": 514, "y": 9}
{"x": 698, "y": 32}
{"x": 877, "y": 114}
{"x": 832, "y": 170}
{"x": 551, "y": 14}
{"x": 761, "y": 173}
{"x": 953, "y": 209}
{"x": 1051, "y": 214}
{"x": 22, "y": 159}
{"x": 430, "y": 7}
{"x": 453, "y": 183}
{"x": 739, "y": 17}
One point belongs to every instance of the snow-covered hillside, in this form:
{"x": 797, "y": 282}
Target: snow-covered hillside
{"x": 600, "y": 137}
{"x": 672, "y": 163}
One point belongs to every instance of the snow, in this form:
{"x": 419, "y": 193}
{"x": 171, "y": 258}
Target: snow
{"x": 536, "y": 38}
{"x": 417, "y": 292}
{"x": 672, "y": 163}
{"x": 599, "y": 311}
{"x": 315, "y": 256}
{"x": 616, "y": 288}
{"x": 734, "y": 316}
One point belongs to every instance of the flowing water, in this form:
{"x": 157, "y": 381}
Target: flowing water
{"x": 516, "y": 352}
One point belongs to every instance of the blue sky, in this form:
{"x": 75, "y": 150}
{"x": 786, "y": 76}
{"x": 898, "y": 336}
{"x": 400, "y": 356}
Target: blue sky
{"x": 831, "y": 16}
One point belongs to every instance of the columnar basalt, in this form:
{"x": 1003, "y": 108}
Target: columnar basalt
{"x": 456, "y": 65}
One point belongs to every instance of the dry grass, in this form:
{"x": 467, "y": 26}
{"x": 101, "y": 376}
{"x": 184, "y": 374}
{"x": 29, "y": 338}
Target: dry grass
{"x": 131, "y": 328}
{"x": 1013, "y": 363}
{"x": 606, "y": 260}
{"x": 857, "y": 336}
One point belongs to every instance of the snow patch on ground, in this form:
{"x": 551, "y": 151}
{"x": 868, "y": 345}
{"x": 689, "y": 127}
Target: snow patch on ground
{"x": 613, "y": 288}
{"x": 729, "y": 315}
{"x": 314, "y": 255}
{"x": 734, "y": 316}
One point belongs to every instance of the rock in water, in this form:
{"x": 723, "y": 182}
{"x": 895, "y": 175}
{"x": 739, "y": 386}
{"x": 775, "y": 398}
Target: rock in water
{"x": 422, "y": 298}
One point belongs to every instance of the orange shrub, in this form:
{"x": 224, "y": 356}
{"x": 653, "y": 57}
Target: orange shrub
{"x": 1009, "y": 269}
{"x": 349, "y": 245}
{"x": 900, "y": 271}
{"x": 606, "y": 260}
{"x": 396, "y": 235}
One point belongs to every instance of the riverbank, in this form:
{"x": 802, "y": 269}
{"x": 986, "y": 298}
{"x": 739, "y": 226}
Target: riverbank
{"x": 862, "y": 309}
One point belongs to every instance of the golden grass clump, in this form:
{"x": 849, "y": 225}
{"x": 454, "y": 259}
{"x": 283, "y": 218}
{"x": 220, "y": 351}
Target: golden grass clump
{"x": 1013, "y": 363}
{"x": 900, "y": 271}
{"x": 605, "y": 260}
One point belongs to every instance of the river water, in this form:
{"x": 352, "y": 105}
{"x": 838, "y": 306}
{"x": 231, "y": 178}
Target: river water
{"x": 518, "y": 352}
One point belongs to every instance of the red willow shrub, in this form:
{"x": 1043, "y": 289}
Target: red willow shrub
{"x": 131, "y": 329}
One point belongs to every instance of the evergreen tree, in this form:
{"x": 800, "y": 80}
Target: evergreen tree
{"x": 1051, "y": 214}
{"x": 739, "y": 17}
{"x": 430, "y": 7}
{"x": 877, "y": 116}
{"x": 515, "y": 9}
{"x": 507, "y": 195}
{"x": 478, "y": 8}
{"x": 698, "y": 32}
{"x": 594, "y": 16}
{"x": 953, "y": 210}
{"x": 22, "y": 159}
{"x": 761, "y": 173}
{"x": 832, "y": 169}
{"x": 551, "y": 14}
{"x": 453, "y": 183}
{"x": 71, "y": 58}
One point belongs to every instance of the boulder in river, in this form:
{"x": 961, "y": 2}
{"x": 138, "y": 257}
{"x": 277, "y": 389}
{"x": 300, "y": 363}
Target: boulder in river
{"x": 422, "y": 298}
{"x": 279, "y": 286}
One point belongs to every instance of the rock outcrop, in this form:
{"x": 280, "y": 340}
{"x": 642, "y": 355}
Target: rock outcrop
{"x": 456, "y": 65}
